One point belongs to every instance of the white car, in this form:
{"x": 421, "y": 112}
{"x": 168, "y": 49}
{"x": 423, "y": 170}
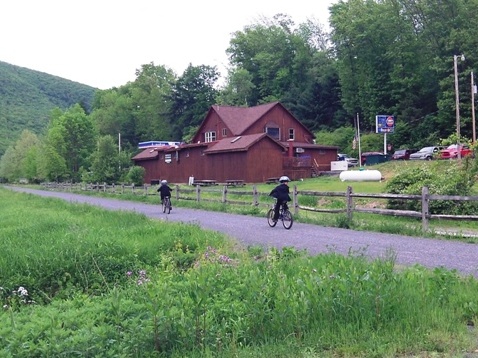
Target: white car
{"x": 351, "y": 162}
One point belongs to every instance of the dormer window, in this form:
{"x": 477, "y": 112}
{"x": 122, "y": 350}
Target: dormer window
{"x": 224, "y": 132}
{"x": 210, "y": 136}
{"x": 274, "y": 132}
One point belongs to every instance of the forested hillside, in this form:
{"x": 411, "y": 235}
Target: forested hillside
{"x": 27, "y": 98}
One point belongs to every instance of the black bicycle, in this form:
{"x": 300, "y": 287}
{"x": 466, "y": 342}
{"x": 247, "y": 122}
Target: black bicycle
{"x": 284, "y": 215}
{"x": 167, "y": 204}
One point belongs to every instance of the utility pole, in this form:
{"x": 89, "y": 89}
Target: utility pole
{"x": 119, "y": 151}
{"x": 473, "y": 91}
{"x": 358, "y": 138}
{"x": 457, "y": 102}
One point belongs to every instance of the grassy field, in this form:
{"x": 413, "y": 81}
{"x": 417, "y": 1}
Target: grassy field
{"x": 77, "y": 280}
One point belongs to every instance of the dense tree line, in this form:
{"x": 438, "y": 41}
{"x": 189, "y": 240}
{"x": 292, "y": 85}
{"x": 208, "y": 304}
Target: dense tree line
{"x": 380, "y": 57}
{"x": 396, "y": 56}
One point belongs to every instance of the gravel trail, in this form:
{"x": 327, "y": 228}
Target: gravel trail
{"x": 250, "y": 230}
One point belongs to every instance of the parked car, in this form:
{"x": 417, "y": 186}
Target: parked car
{"x": 403, "y": 154}
{"x": 452, "y": 151}
{"x": 426, "y": 153}
{"x": 351, "y": 162}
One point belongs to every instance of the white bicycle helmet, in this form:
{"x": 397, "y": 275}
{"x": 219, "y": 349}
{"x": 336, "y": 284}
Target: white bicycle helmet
{"x": 164, "y": 182}
{"x": 284, "y": 178}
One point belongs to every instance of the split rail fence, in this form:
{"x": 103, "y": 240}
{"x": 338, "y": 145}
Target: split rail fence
{"x": 225, "y": 194}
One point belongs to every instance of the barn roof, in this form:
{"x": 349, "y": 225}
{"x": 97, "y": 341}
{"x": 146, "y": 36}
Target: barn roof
{"x": 146, "y": 154}
{"x": 238, "y": 119}
{"x": 152, "y": 153}
{"x": 239, "y": 143}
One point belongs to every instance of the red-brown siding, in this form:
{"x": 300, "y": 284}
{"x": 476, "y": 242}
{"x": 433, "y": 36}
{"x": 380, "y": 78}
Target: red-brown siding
{"x": 259, "y": 157}
{"x": 284, "y": 121}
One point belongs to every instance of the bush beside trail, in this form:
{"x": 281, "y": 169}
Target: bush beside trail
{"x": 455, "y": 179}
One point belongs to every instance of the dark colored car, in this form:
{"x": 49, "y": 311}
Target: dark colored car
{"x": 403, "y": 154}
{"x": 426, "y": 153}
{"x": 452, "y": 152}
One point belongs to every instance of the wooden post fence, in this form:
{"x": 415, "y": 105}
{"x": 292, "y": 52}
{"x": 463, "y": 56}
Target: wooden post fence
{"x": 350, "y": 207}
{"x": 425, "y": 210}
{"x": 349, "y": 202}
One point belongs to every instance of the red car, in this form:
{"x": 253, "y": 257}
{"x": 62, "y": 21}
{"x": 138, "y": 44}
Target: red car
{"x": 451, "y": 152}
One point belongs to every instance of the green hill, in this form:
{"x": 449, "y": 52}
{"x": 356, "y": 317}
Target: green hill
{"x": 27, "y": 98}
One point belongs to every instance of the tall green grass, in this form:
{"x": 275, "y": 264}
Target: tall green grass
{"x": 56, "y": 248}
{"x": 101, "y": 284}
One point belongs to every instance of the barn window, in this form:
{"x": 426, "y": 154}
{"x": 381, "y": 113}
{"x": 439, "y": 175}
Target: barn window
{"x": 291, "y": 134}
{"x": 224, "y": 132}
{"x": 274, "y": 132}
{"x": 210, "y": 136}
{"x": 167, "y": 158}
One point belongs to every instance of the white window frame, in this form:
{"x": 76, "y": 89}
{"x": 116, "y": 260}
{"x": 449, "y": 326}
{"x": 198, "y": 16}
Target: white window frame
{"x": 291, "y": 133}
{"x": 210, "y": 136}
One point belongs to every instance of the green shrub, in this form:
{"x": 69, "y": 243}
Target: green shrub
{"x": 136, "y": 175}
{"x": 457, "y": 179}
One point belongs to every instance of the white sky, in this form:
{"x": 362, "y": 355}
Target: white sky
{"x": 101, "y": 43}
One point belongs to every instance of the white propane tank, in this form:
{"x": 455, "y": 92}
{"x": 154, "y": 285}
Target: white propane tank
{"x": 360, "y": 175}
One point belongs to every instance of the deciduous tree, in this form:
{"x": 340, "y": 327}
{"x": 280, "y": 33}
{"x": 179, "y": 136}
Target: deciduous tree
{"x": 287, "y": 63}
{"x": 71, "y": 137}
{"x": 20, "y": 160}
{"x": 192, "y": 95}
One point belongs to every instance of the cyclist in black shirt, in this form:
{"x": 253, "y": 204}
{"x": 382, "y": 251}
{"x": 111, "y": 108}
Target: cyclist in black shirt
{"x": 164, "y": 190}
{"x": 281, "y": 193}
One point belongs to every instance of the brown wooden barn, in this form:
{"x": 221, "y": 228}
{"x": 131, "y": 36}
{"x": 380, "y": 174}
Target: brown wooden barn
{"x": 237, "y": 143}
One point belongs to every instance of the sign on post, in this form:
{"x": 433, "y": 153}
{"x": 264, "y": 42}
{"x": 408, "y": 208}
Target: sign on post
{"x": 384, "y": 123}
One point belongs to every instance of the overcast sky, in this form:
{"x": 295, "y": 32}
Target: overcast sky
{"x": 101, "y": 43}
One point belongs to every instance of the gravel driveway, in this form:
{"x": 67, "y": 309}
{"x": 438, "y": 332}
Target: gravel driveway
{"x": 315, "y": 239}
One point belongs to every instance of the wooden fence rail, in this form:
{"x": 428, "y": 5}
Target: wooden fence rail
{"x": 221, "y": 194}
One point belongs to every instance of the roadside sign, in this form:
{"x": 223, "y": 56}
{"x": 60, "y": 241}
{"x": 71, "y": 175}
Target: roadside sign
{"x": 384, "y": 123}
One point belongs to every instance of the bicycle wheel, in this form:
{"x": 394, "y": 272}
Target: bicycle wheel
{"x": 287, "y": 219}
{"x": 270, "y": 218}
{"x": 168, "y": 205}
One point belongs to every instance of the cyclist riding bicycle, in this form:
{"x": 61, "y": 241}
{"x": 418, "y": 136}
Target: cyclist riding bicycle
{"x": 164, "y": 190}
{"x": 281, "y": 193}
